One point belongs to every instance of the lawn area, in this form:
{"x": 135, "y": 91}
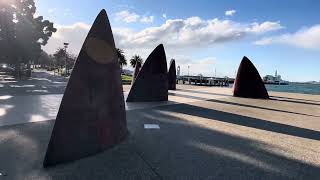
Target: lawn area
{"x": 126, "y": 78}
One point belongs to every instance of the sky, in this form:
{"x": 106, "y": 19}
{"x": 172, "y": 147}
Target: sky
{"x": 209, "y": 36}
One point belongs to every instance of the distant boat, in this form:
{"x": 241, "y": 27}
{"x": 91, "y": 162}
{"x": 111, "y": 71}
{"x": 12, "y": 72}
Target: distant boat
{"x": 276, "y": 79}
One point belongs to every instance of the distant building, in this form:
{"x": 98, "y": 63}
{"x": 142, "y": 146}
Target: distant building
{"x": 276, "y": 79}
{"x": 178, "y": 71}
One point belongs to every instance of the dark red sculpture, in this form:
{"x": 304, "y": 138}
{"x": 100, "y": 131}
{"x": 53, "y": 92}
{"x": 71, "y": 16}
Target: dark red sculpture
{"x": 151, "y": 83}
{"x": 248, "y": 83}
{"x": 92, "y": 115}
{"x": 136, "y": 72}
{"x": 172, "y": 76}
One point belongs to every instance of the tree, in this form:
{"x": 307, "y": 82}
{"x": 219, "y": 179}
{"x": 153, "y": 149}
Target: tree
{"x": 71, "y": 59}
{"x": 23, "y": 33}
{"x": 121, "y": 58}
{"x": 60, "y": 57}
{"x": 44, "y": 60}
{"x": 63, "y": 58}
{"x": 7, "y": 35}
{"x": 136, "y": 59}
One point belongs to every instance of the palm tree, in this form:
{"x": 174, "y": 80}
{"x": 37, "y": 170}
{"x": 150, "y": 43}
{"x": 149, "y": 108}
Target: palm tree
{"x": 136, "y": 59}
{"x": 121, "y": 58}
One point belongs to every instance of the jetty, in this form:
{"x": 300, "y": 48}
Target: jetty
{"x": 205, "y": 81}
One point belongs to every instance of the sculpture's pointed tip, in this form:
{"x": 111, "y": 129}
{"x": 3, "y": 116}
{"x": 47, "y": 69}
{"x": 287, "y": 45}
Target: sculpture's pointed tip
{"x": 172, "y": 77}
{"x": 160, "y": 46}
{"x": 154, "y": 73}
{"x": 103, "y": 12}
{"x": 246, "y": 61}
{"x": 102, "y": 20}
{"x": 245, "y": 58}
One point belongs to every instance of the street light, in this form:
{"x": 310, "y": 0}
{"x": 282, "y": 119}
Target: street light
{"x": 65, "y": 50}
{"x": 188, "y": 74}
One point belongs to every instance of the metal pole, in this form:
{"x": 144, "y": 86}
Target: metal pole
{"x": 188, "y": 74}
{"x": 65, "y": 62}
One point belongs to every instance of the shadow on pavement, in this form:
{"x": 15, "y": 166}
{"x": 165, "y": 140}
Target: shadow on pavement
{"x": 201, "y": 92}
{"x": 238, "y": 104}
{"x": 184, "y": 150}
{"x": 179, "y": 150}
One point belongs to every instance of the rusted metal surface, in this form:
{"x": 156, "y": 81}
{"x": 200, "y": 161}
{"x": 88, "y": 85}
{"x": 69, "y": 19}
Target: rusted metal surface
{"x": 248, "y": 83}
{"x": 172, "y": 76}
{"x": 92, "y": 115}
{"x": 151, "y": 83}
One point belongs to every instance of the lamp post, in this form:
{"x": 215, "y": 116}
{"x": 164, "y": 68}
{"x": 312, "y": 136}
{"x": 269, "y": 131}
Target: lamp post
{"x": 65, "y": 50}
{"x": 188, "y": 74}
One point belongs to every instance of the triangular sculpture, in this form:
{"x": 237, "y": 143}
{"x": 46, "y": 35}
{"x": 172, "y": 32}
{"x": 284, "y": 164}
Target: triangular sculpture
{"x": 92, "y": 114}
{"x": 172, "y": 76}
{"x": 136, "y": 72}
{"x": 151, "y": 83}
{"x": 248, "y": 83}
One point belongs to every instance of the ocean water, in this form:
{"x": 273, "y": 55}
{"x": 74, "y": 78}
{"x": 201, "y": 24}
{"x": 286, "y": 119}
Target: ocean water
{"x": 295, "y": 88}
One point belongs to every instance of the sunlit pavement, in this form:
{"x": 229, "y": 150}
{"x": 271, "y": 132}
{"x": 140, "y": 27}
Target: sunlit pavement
{"x": 205, "y": 133}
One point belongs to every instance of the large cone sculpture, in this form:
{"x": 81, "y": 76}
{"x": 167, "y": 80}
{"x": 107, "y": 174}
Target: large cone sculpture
{"x": 92, "y": 113}
{"x": 151, "y": 83}
{"x": 172, "y": 76}
{"x": 136, "y": 72}
{"x": 248, "y": 83}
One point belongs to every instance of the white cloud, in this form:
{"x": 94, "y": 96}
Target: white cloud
{"x": 308, "y": 38}
{"x": 147, "y": 19}
{"x": 68, "y": 13}
{"x": 265, "y": 27}
{"x": 230, "y": 12}
{"x": 52, "y": 10}
{"x": 264, "y": 41}
{"x": 164, "y": 16}
{"x": 204, "y": 66}
{"x": 73, "y": 34}
{"x": 181, "y": 38}
{"x": 127, "y": 16}
{"x": 192, "y": 32}
{"x": 131, "y": 17}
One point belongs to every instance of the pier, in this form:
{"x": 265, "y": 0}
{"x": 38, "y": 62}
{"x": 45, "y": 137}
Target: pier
{"x": 205, "y": 81}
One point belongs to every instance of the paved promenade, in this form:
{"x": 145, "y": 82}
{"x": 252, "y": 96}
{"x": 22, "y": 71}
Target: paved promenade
{"x": 205, "y": 133}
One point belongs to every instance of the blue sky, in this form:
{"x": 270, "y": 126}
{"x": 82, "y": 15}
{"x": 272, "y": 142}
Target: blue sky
{"x": 205, "y": 34}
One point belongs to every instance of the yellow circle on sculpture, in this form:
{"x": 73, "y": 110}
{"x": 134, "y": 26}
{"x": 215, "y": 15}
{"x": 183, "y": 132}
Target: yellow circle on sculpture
{"x": 99, "y": 50}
